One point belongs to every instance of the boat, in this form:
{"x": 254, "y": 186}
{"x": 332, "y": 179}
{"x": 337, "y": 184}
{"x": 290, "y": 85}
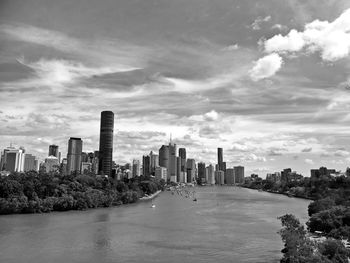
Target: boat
{"x": 195, "y": 200}
{"x": 153, "y": 205}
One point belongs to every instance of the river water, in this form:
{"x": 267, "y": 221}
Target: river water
{"x": 226, "y": 224}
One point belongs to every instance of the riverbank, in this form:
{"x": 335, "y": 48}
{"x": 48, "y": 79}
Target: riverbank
{"x": 150, "y": 197}
{"x": 284, "y": 193}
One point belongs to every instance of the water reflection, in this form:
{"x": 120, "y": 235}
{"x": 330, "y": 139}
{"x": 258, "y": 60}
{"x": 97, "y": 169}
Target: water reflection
{"x": 101, "y": 237}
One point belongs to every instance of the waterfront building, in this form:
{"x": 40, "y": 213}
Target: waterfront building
{"x": 178, "y": 169}
{"x": 210, "y": 175}
{"x": 230, "y": 176}
{"x": 161, "y": 173}
{"x": 239, "y": 174}
{"x": 12, "y": 159}
{"x": 146, "y": 165}
{"x": 75, "y": 146}
{"x": 53, "y": 150}
{"x": 220, "y": 177}
{"x": 106, "y": 143}
{"x": 30, "y": 163}
{"x": 164, "y": 156}
{"x": 202, "y": 173}
{"x": 51, "y": 164}
{"x": 154, "y": 162}
{"x": 220, "y": 159}
{"x": 190, "y": 170}
{"x": 273, "y": 177}
{"x": 172, "y": 163}
{"x": 182, "y": 155}
{"x": 136, "y": 168}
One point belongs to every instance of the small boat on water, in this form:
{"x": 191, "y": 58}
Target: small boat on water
{"x": 153, "y": 205}
{"x": 195, "y": 200}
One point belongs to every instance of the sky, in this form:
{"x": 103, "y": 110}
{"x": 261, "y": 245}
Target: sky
{"x": 268, "y": 81}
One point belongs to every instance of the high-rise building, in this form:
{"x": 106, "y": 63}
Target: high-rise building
{"x": 191, "y": 170}
{"x": 167, "y": 159}
{"x": 230, "y": 176}
{"x": 30, "y": 163}
{"x": 178, "y": 169}
{"x": 106, "y": 142}
{"x": 146, "y": 165}
{"x": 154, "y": 159}
{"x": 210, "y": 175}
{"x": 51, "y": 164}
{"x": 12, "y": 159}
{"x": 164, "y": 156}
{"x": 136, "y": 168}
{"x": 201, "y": 173}
{"x": 53, "y": 150}
{"x": 220, "y": 177}
{"x": 239, "y": 174}
{"x": 220, "y": 159}
{"x": 161, "y": 173}
{"x": 75, "y": 147}
{"x": 182, "y": 155}
{"x": 172, "y": 163}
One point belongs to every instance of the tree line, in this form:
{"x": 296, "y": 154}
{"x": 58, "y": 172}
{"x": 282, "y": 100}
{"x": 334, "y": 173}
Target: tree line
{"x": 40, "y": 192}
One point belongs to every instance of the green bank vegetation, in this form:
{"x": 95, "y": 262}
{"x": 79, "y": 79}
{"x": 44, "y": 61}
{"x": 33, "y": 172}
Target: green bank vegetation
{"x": 34, "y": 192}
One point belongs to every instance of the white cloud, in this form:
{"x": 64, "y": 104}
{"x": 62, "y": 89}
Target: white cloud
{"x": 279, "y": 27}
{"x": 331, "y": 39}
{"x": 266, "y": 67}
{"x": 211, "y": 116}
{"x": 341, "y": 153}
{"x": 231, "y": 47}
{"x": 256, "y": 25}
{"x": 309, "y": 161}
{"x": 292, "y": 42}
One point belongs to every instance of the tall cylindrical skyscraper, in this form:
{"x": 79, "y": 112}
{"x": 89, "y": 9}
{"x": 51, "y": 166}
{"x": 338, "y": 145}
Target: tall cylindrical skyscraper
{"x": 106, "y": 142}
{"x": 220, "y": 159}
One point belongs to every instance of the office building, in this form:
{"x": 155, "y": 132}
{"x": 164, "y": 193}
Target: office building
{"x": 190, "y": 170}
{"x": 182, "y": 155}
{"x": 75, "y": 146}
{"x": 106, "y": 143}
{"x": 51, "y": 164}
{"x": 220, "y": 160}
{"x": 230, "y": 176}
{"x": 178, "y": 169}
{"x": 146, "y": 165}
{"x": 161, "y": 173}
{"x": 219, "y": 177}
{"x": 202, "y": 173}
{"x": 239, "y": 174}
{"x": 30, "y": 163}
{"x": 210, "y": 175}
{"x": 164, "y": 156}
{"x": 172, "y": 163}
{"x": 136, "y": 169}
{"x": 322, "y": 172}
{"x": 53, "y": 150}
{"x": 154, "y": 162}
{"x": 12, "y": 159}
{"x": 86, "y": 167}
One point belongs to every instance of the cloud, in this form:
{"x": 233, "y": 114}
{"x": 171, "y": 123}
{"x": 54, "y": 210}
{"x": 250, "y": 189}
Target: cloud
{"x": 279, "y": 27}
{"x": 341, "y": 153}
{"x": 331, "y": 39}
{"x": 266, "y": 67}
{"x": 306, "y": 150}
{"x": 309, "y": 161}
{"x": 231, "y": 47}
{"x": 256, "y": 25}
{"x": 211, "y": 116}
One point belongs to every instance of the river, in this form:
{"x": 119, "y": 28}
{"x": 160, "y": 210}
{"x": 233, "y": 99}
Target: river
{"x": 226, "y": 224}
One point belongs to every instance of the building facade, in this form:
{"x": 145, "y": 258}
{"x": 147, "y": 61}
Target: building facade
{"x": 106, "y": 143}
{"x": 75, "y": 147}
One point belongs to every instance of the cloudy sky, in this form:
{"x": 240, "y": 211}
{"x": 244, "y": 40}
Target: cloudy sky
{"x": 268, "y": 81}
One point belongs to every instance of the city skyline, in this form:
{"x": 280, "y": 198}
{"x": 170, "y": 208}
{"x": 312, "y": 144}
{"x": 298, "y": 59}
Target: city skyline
{"x": 244, "y": 76}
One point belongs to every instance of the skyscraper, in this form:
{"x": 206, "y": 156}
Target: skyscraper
{"x": 182, "y": 155}
{"x": 53, "y": 150}
{"x": 29, "y": 163}
{"x": 146, "y": 165}
{"x": 202, "y": 173}
{"x": 164, "y": 156}
{"x": 172, "y": 162}
{"x": 75, "y": 147}
{"x": 106, "y": 142}
{"x": 220, "y": 159}
{"x": 191, "y": 170}
{"x": 154, "y": 159}
{"x": 239, "y": 174}
{"x": 135, "y": 168}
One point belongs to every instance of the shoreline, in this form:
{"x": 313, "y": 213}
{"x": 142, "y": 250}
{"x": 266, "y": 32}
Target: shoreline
{"x": 286, "y": 194}
{"x": 150, "y": 197}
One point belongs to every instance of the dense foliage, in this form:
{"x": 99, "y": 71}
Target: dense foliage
{"x": 329, "y": 218}
{"x": 299, "y": 248}
{"x": 33, "y": 192}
